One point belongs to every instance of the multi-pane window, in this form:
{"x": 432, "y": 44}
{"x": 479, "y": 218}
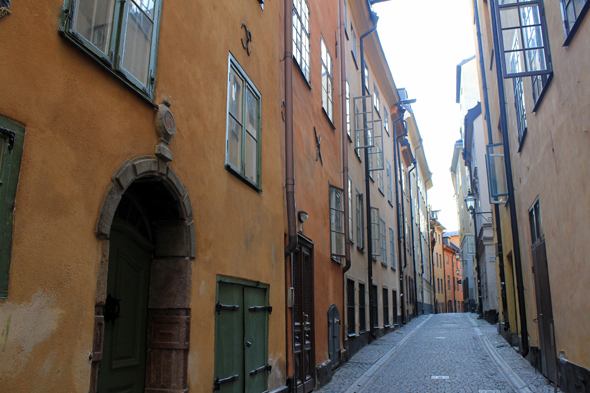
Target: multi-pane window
{"x": 379, "y": 174}
{"x": 375, "y": 307}
{"x": 519, "y": 105}
{"x": 389, "y": 183}
{"x": 385, "y": 307}
{"x": 573, "y": 12}
{"x": 359, "y": 220}
{"x": 327, "y": 88}
{"x": 345, "y": 19}
{"x": 337, "y": 222}
{"x": 362, "y": 308}
{"x": 538, "y": 82}
{"x": 243, "y": 126}
{"x": 386, "y": 119}
{"x": 350, "y": 315}
{"x": 348, "y": 124}
{"x": 11, "y": 150}
{"x": 535, "y": 222}
{"x": 383, "y": 242}
{"x": 366, "y": 81}
{"x": 350, "y": 226}
{"x": 301, "y": 36}
{"x": 375, "y": 233}
{"x": 392, "y": 248}
{"x": 353, "y": 43}
{"x": 376, "y": 98}
{"x": 122, "y": 35}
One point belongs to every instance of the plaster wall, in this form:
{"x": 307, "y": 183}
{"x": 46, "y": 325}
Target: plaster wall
{"x": 82, "y": 123}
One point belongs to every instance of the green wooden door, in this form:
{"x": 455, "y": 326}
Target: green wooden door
{"x": 241, "y": 339}
{"x": 122, "y": 368}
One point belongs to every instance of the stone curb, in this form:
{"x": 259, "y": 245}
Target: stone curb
{"x": 362, "y": 382}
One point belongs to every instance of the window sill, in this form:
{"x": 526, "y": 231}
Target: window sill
{"x": 386, "y": 326}
{"x": 381, "y": 191}
{"x": 338, "y": 260}
{"x": 328, "y": 118}
{"x": 243, "y": 178}
{"x": 361, "y": 249}
{"x": 522, "y": 139}
{"x": 577, "y": 24}
{"x": 390, "y": 203}
{"x": 351, "y": 335}
{"x": 542, "y": 95}
{"x": 384, "y": 264}
{"x": 302, "y": 73}
{"x": 354, "y": 59}
{"x": 349, "y": 137}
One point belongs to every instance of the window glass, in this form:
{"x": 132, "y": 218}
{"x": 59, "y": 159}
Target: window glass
{"x": 327, "y": 99}
{"x": 359, "y": 220}
{"x": 301, "y": 36}
{"x": 235, "y": 118}
{"x": 348, "y": 126}
{"x": 138, "y": 39}
{"x": 93, "y": 19}
{"x": 350, "y": 215}
{"x": 337, "y": 222}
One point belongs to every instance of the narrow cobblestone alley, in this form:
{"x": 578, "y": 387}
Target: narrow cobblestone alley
{"x": 439, "y": 353}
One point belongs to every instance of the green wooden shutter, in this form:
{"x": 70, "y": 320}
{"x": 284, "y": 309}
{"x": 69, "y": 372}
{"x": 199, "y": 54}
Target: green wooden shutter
{"x": 229, "y": 338}
{"x": 255, "y": 339}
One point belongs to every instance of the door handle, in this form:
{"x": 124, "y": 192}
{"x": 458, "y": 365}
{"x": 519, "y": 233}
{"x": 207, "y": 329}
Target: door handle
{"x": 248, "y": 344}
{"x": 305, "y": 318}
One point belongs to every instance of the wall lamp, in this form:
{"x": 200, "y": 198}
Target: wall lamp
{"x": 470, "y": 202}
{"x": 303, "y": 216}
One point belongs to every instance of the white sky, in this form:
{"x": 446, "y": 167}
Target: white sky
{"x": 424, "y": 40}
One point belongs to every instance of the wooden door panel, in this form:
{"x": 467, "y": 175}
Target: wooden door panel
{"x": 229, "y": 336}
{"x": 255, "y": 321}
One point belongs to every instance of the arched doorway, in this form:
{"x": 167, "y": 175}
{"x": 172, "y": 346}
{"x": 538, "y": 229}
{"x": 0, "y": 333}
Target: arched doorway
{"x": 142, "y": 313}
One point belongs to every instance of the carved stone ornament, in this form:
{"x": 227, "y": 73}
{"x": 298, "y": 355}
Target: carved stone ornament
{"x": 165, "y": 128}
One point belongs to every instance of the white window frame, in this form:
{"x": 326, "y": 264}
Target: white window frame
{"x": 327, "y": 81}
{"x": 301, "y": 37}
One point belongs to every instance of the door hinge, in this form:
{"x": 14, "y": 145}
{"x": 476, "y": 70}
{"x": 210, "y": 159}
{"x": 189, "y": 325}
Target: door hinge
{"x": 219, "y": 307}
{"x": 261, "y": 308}
{"x": 217, "y": 383}
{"x": 267, "y": 368}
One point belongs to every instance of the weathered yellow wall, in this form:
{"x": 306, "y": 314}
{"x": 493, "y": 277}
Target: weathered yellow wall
{"x": 82, "y": 123}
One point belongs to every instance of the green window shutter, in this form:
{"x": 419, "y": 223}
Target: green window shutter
{"x": 256, "y": 339}
{"x": 12, "y": 138}
{"x": 229, "y": 338}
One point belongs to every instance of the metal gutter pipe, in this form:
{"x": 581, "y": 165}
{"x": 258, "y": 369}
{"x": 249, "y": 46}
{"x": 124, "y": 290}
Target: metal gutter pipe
{"x": 413, "y": 241}
{"x": 289, "y": 165}
{"x": 344, "y": 126}
{"x": 374, "y": 19}
{"x": 491, "y": 141}
{"x": 420, "y": 233}
{"x": 400, "y": 249}
{"x": 511, "y": 201}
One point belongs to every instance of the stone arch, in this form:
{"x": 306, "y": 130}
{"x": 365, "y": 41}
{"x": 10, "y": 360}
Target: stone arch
{"x": 155, "y": 181}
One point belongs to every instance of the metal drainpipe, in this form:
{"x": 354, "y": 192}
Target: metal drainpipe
{"x": 413, "y": 242}
{"x": 420, "y": 233}
{"x": 444, "y": 275}
{"x": 368, "y": 188}
{"x": 431, "y": 251}
{"x": 344, "y": 126}
{"x": 289, "y": 164}
{"x": 511, "y": 201}
{"x": 491, "y": 141}
{"x": 399, "y": 211}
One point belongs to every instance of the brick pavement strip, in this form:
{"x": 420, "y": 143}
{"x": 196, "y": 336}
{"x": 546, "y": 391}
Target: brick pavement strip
{"x": 439, "y": 353}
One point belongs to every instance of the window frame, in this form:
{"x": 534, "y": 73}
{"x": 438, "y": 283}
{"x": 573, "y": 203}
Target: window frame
{"x": 302, "y": 57}
{"x": 353, "y": 50}
{"x": 388, "y": 171}
{"x": 348, "y": 118}
{"x": 376, "y": 99}
{"x": 392, "y": 248}
{"x": 362, "y": 307}
{"x": 383, "y": 243}
{"x": 328, "y": 87}
{"x": 359, "y": 221}
{"x": 350, "y": 216}
{"x": 113, "y": 61}
{"x": 334, "y": 213}
{"x": 248, "y": 85}
{"x": 350, "y": 308}
{"x": 12, "y": 138}
{"x": 570, "y": 32}
{"x": 385, "y": 305}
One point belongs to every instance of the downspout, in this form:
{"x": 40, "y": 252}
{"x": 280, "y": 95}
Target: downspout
{"x": 347, "y": 263}
{"x": 399, "y": 213}
{"x": 444, "y": 275}
{"x": 289, "y": 166}
{"x": 420, "y": 233}
{"x": 431, "y": 251}
{"x": 491, "y": 141}
{"x": 374, "y": 19}
{"x": 511, "y": 201}
{"x": 413, "y": 242}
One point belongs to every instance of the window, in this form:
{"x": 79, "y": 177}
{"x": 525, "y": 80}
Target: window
{"x": 366, "y": 81}
{"x": 386, "y": 120}
{"x": 242, "y": 316}
{"x": 375, "y": 233}
{"x": 394, "y": 306}
{"x": 345, "y": 19}
{"x": 327, "y": 99}
{"x": 350, "y": 309}
{"x": 496, "y": 173}
{"x": 336, "y": 222}
{"x": 539, "y": 82}
{"x": 375, "y": 308}
{"x": 379, "y": 174}
{"x": 350, "y": 224}
{"x": 385, "y": 307}
{"x": 383, "y": 242}
{"x": 573, "y": 12}
{"x": 353, "y": 45}
{"x": 389, "y": 182}
{"x": 11, "y": 150}
{"x": 362, "y": 308}
{"x": 523, "y": 42}
{"x": 392, "y": 247}
{"x": 520, "y": 108}
{"x": 448, "y": 280}
{"x": 243, "y": 126}
{"x": 535, "y": 222}
{"x": 359, "y": 220}
{"x": 301, "y": 36}
{"x": 447, "y": 259}
{"x": 123, "y": 36}
{"x": 376, "y": 99}
{"x": 348, "y": 125}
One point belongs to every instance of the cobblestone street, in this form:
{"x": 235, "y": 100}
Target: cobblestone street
{"x": 439, "y": 353}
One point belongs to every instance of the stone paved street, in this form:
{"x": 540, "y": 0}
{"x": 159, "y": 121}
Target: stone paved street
{"x": 439, "y": 353}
